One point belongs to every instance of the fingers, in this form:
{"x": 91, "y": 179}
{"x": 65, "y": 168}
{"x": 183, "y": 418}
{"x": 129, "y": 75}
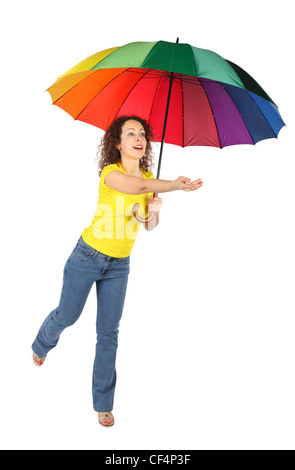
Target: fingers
{"x": 155, "y": 200}
{"x": 183, "y": 179}
{"x": 198, "y": 181}
{"x": 155, "y": 203}
{"x": 193, "y": 185}
{"x": 154, "y": 207}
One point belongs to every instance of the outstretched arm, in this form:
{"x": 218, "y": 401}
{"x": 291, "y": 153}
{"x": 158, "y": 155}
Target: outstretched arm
{"x": 136, "y": 185}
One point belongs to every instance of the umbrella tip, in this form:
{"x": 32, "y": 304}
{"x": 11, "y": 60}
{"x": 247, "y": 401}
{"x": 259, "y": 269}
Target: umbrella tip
{"x": 177, "y": 40}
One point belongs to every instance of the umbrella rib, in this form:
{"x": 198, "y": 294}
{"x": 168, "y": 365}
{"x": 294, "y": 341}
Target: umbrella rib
{"x": 181, "y": 84}
{"x": 153, "y": 73}
{"x": 239, "y": 112}
{"x": 114, "y": 78}
{"x": 94, "y": 72}
{"x": 211, "y": 112}
{"x": 155, "y": 94}
{"x": 69, "y": 89}
{"x": 142, "y": 76}
{"x": 256, "y": 104}
{"x": 194, "y": 60}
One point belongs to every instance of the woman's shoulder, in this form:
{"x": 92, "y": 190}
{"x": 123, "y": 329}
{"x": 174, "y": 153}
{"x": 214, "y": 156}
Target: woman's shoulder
{"x": 111, "y": 167}
{"x": 108, "y": 168}
{"x": 148, "y": 175}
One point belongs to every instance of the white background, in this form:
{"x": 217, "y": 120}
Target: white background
{"x": 206, "y": 345}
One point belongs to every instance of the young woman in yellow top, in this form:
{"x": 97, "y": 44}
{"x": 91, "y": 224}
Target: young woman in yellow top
{"x": 102, "y": 254}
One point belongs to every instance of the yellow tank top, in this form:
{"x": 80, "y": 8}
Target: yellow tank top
{"x": 114, "y": 229}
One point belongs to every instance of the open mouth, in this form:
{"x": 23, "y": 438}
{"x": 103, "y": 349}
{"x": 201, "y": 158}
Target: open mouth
{"x": 138, "y": 147}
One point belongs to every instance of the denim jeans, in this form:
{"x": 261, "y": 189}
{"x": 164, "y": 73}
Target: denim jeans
{"x": 84, "y": 267}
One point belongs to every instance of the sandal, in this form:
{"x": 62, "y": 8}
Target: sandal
{"x": 106, "y": 418}
{"x": 38, "y": 361}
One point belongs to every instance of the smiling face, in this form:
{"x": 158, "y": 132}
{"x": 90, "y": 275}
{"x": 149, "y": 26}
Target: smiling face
{"x": 133, "y": 141}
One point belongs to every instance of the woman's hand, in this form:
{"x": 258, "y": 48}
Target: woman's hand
{"x": 186, "y": 184}
{"x": 155, "y": 203}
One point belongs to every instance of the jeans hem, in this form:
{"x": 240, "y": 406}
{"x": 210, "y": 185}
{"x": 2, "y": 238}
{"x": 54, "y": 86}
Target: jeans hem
{"x": 37, "y": 351}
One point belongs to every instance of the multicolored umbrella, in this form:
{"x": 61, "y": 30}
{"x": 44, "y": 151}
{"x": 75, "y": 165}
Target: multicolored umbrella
{"x": 190, "y": 96}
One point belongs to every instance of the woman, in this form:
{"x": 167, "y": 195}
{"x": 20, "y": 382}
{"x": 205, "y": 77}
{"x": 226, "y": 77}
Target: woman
{"x": 102, "y": 254}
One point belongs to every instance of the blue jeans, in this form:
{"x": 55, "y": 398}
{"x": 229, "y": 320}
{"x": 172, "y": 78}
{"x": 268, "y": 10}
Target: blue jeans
{"x": 84, "y": 267}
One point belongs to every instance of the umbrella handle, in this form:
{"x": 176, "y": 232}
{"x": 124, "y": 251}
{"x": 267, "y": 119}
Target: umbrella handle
{"x": 141, "y": 219}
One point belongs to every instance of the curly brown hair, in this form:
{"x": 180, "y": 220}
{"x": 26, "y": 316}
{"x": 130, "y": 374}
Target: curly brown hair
{"x": 108, "y": 151}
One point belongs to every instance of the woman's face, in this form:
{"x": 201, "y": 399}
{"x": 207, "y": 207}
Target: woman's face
{"x": 133, "y": 142}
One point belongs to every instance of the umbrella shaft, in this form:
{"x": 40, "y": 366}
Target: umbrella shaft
{"x": 165, "y": 120}
{"x": 165, "y": 124}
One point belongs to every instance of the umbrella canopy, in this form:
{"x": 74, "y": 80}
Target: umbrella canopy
{"x": 213, "y": 102}
{"x": 190, "y": 96}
